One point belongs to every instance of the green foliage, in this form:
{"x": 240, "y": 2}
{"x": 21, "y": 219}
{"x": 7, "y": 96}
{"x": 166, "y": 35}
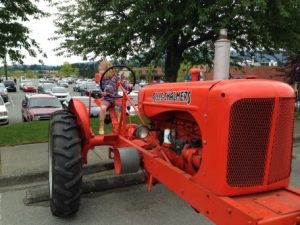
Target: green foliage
{"x": 67, "y": 70}
{"x": 137, "y": 74}
{"x": 149, "y": 72}
{"x": 14, "y": 35}
{"x": 175, "y": 30}
{"x": 184, "y": 68}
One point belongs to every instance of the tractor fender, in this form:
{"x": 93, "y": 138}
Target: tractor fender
{"x": 83, "y": 120}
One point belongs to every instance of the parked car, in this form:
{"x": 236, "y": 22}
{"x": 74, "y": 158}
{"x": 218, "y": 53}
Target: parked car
{"x": 78, "y": 81}
{"x": 39, "y": 107}
{"x": 45, "y": 88}
{"x": 29, "y": 87}
{"x": 50, "y": 80}
{"x": 134, "y": 97}
{"x": 76, "y": 87}
{"x": 3, "y": 112}
{"x": 3, "y": 94}
{"x": 143, "y": 83}
{"x": 61, "y": 93}
{"x": 42, "y": 80}
{"x": 2, "y": 86}
{"x": 22, "y": 83}
{"x": 63, "y": 84}
{"x": 90, "y": 87}
{"x": 10, "y": 85}
{"x": 95, "y": 104}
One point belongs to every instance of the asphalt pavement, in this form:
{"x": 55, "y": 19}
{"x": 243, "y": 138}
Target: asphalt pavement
{"x": 124, "y": 206}
{"x": 15, "y": 99}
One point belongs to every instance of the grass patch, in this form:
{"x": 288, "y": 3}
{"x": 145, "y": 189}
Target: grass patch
{"x": 37, "y": 131}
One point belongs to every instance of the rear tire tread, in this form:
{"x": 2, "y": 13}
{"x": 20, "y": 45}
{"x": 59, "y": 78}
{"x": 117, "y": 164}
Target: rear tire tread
{"x": 64, "y": 135}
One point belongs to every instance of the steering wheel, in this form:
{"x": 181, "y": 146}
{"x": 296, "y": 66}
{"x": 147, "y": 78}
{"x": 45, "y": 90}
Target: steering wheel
{"x": 125, "y": 74}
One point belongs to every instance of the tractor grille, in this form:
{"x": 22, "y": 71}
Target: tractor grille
{"x": 249, "y": 129}
{"x": 283, "y": 141}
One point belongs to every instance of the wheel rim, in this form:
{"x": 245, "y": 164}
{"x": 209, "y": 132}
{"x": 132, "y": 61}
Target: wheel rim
{"x": 50, "y": 166}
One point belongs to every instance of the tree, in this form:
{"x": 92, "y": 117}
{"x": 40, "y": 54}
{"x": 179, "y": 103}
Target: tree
{"x": 292, "y": 69}
{"x": 14, "y": 35}
{"x": 67, "y": 70}
{"x": 176, "y": 30}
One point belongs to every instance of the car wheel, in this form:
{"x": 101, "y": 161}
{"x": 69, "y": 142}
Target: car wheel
{"x": 65, "y": 164}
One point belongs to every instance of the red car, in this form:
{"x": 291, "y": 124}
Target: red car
{"x": 39, "y": 107}
{"x": 29, "y": 87}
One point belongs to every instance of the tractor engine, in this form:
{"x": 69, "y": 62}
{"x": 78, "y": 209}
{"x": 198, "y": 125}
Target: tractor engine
{"x": 180, "y": 138}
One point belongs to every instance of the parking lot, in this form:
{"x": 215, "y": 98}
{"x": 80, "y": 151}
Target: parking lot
{"x": 15, "y": 99}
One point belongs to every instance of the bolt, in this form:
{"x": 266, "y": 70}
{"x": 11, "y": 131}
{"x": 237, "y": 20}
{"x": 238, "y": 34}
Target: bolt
{"x": 229, "y": 210}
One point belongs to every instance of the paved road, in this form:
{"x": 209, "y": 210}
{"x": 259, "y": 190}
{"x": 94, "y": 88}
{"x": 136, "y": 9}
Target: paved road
{"x": 14, "y": 108}
{"x": 124, "y": 206}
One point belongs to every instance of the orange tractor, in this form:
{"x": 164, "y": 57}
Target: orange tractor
{"x": 224, "y": 147}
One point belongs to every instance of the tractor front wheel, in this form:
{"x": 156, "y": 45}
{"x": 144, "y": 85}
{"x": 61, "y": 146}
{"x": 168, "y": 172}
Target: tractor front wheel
{"x": 65, "y": 164}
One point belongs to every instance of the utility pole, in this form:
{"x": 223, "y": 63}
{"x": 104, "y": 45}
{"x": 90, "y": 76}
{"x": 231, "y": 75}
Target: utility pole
{"x": 5, "y": 66}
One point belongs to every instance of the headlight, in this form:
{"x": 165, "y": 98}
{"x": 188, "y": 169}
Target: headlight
{"x": 35, "y": 118}
{"x": 3, "y": 113}
{"x": 141, "y": 131}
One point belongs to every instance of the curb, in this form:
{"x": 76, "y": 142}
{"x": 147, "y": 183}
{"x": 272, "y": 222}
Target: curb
{"x": 40, "y": 194}
{"x": 43, "y": 175}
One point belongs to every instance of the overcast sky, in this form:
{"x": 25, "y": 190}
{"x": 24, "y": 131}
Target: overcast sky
{"x": 41, "y": 31}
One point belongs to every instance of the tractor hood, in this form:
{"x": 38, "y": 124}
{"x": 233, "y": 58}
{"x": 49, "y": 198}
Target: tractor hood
{"x": 193, "y": 96}
{"x": 187, "y": 96}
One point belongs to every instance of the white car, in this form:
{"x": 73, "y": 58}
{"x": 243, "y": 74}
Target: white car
{"x": 3, "y": 87}
{"x": 134, "y": 97}
{"x": 143, "y": 83}
{"x": 61, "y": 93}
{"x": 3, "y": 112}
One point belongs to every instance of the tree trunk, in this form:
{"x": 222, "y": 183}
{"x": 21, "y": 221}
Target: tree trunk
{"x": 173, "y": 60}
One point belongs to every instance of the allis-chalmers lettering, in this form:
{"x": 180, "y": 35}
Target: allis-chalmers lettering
{"x": 173, "y": 96}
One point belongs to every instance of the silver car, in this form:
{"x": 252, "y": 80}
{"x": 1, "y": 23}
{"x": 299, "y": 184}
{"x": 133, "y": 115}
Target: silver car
{"x": 95, "y": 109}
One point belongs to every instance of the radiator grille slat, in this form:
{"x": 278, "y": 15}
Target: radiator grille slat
{"x": 250, "y": 125}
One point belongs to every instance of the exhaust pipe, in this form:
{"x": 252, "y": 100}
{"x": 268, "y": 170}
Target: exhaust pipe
{"x": 222, "y": 57}
{"x": 126, "y": 160}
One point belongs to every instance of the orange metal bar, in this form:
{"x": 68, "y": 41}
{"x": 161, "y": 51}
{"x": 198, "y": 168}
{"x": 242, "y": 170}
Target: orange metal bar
{"x": 133, "y": 105}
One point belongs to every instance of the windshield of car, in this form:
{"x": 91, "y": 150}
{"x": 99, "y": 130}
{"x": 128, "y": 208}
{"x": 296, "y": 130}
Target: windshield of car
{"x": 59, "y": 90}
{"x": 9, "y": 82}
{"x": 28, "y": 84}
{"x": 91, "y": 86}
{"x": 44, "y": 103}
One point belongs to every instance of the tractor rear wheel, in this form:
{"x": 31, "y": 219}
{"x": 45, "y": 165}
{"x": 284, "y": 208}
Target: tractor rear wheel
{"x": 65, "y": 164}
